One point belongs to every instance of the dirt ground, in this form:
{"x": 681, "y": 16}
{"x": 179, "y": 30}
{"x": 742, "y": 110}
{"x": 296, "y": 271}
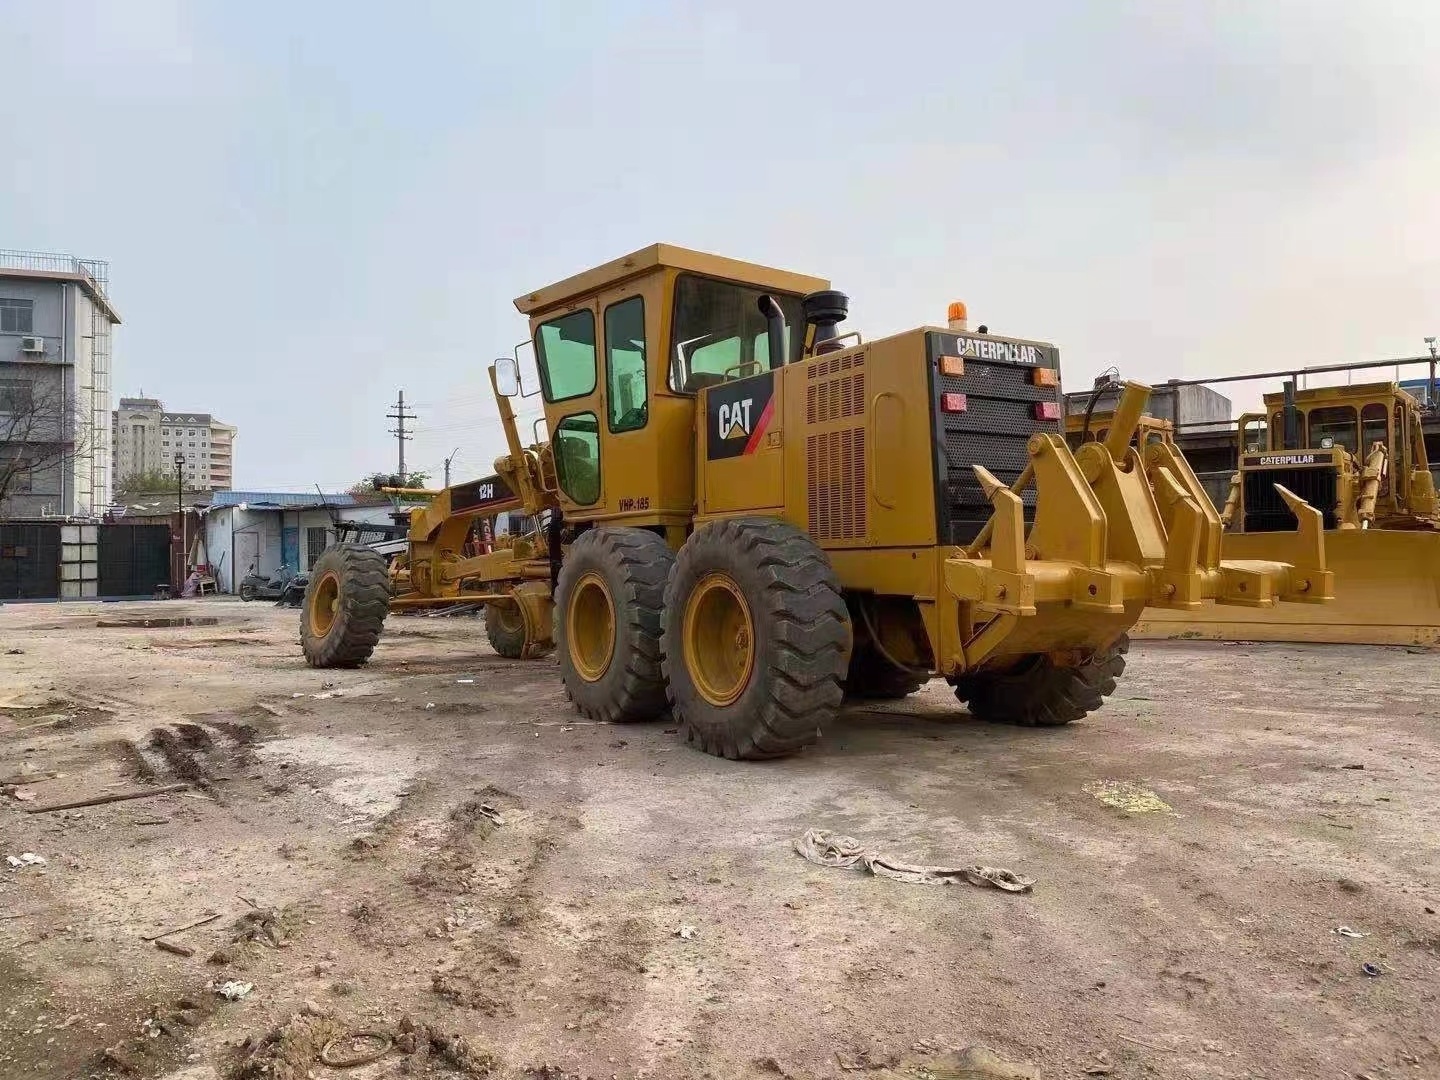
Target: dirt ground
{"x": 437, "y": 840}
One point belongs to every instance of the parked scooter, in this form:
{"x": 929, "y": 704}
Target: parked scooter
{"x": 286, "y": 587}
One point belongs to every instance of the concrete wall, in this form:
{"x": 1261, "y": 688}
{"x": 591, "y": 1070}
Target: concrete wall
{"x": 1196, "y": 404}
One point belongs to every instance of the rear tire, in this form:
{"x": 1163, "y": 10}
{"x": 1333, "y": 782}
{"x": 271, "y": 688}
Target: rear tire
{"x": 757, "y": 639}
{"x": 346, "y": 601}
{"x": 505, "y": 628}
{"x": 247, "y": 592}
{"x": 1041, "y": 694}
{"x": 611, "y": 590}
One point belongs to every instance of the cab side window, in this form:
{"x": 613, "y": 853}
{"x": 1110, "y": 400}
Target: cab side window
{"x": 565, "y": 355}
{"x": 625, "y": 377}
{"x": 718, "y": 333}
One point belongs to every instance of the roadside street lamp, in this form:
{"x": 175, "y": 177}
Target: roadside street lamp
{"x": 180, "y": 509}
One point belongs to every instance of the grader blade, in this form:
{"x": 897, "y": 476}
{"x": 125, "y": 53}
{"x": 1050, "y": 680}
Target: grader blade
{"x": 1387, "y": 592}
{"x": 1110, "y": 539}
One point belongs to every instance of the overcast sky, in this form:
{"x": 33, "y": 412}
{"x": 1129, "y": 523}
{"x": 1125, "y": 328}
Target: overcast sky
{"x": 308, "y": 207}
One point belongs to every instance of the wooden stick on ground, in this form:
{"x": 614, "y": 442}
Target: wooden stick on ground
{"x": 188, "y": 926}
{"x": 119, "y": 796}
{"x": 171, "y": 947}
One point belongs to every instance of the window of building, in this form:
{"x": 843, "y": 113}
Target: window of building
{"x": 165, "y": 431}
{"x": 625, "y": 364}
{"x": 317, "y": 539}
{"x": 565, "y": 355}
{"x": 17, "y": 316}
{"x": 577, "y": 457}
{"x": 17, "y": 397}
{"x": 20, "y": 470}
{"x": 719, "y": 332}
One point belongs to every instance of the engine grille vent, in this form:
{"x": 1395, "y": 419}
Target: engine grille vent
{"x": 835, "y": 399}
{"x": 835, "y": 467}
{"x": 834, "y": 365}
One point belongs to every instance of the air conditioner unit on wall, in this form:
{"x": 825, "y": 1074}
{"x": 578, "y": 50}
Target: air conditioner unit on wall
{"x": 32, "y": 345}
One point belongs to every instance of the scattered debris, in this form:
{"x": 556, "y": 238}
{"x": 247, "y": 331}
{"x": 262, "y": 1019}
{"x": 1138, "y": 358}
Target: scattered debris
{"x": 21, "y": 794}
{"x": 286, "y": 1052}
{"x": 172, "y": 947}
{"x": 827, "y": 849}
{"x": 688, "y": 933}
{"x": 233, "y": 990}
{"x": 1345, "y": 931}
{"x": 464, "y": 682}
{"x": 1345, "y": 884}
{"x": 14, "y": 652}
{"x": 201, "y": 921}
{"x": 1373, "y": 970}
{"x": 26, "y": 858}
{"x": 259, "y": 924}
{"x": 1147, "y": 1045}
{"x": 118, "y": 796}
{"x": 28, "y": 774}
{"x": 364, "y": 1047}
{"x": 982, "y": 1063}
{"x": 1127, "y": 796}
{"x": 1353, "y": 765}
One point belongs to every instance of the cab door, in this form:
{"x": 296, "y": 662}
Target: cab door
{"x": 567, "y": 358}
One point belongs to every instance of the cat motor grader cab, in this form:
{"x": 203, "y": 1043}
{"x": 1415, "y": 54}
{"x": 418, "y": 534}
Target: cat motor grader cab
{"x": 750, "y": 512}
{"x": 1357, "y": 454}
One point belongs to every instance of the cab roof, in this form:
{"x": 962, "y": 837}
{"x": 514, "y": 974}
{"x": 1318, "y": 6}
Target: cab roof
{"x": 666, "y": 256}
{"x": 1341, "y": 395}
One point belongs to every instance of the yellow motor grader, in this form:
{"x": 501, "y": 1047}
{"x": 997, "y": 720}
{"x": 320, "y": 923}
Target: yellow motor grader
{"x": 1357, "y": 454}
{"x": 749, "y": 512}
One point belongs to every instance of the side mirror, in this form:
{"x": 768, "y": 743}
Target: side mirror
{"x": 507, "y": 377}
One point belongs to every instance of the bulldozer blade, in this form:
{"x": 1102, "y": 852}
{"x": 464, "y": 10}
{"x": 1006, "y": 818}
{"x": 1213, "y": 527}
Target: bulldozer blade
{"x": 1386, "y": 584}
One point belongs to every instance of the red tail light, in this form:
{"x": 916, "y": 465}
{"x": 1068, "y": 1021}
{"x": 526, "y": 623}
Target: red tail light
{"x": 1047, "y": 410}
{"x": 952, "y": 402}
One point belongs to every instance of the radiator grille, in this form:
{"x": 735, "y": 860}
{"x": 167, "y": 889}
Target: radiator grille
{"x": 1265, "y": 510}
{"x": 835, "y": 466}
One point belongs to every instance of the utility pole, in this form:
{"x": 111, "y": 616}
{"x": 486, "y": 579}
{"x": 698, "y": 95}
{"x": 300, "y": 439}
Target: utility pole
{"x": 400, "y": 415}
{"x": 448, "y": 460}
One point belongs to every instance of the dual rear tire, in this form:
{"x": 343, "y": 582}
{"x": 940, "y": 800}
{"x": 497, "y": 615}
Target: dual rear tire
{"x": 743, "y": 636}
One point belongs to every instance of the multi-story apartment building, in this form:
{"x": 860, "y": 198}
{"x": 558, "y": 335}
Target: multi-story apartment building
{"x": 148, "y": 438}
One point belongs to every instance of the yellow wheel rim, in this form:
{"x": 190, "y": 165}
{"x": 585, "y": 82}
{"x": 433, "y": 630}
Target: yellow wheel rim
{"x": 325, "y": 604}
{"x": 719, "y": 638}
{"x": 590, "y": 627}
{"x": 509, "y": 619}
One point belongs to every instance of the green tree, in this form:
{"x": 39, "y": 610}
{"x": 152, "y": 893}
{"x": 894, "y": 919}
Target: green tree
{"x": 373, "y": 482}
{"x": 151, "y": 482}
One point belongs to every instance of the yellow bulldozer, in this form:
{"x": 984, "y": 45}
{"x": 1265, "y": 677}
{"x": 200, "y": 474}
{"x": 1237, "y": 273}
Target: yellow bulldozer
{"x": 1357, "y": 454}
{"x": 748, "y": 512}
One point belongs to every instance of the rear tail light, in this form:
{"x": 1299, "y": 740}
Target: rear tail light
{"x": 1047, "y": 410}
{"x": 1043, "y": 376}
{"x": 952, "y": 365}
{"x": 952, "y": 402}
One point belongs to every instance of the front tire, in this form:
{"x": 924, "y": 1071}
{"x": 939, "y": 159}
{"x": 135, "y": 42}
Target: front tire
{"x": 247, "y": 593}
{"x": 611, "y": 590}
{"x": 757, "y": 639}
{"x": 505, "y": 629}
{"x": 345, "y": 604}
{"x": 1041, "y": 694}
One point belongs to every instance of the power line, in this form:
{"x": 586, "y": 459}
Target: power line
{"x": 400, "y": 415}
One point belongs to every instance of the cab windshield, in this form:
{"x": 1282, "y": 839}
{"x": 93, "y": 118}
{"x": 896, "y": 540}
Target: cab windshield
{"x": 1339, "y": 423}
{"x": 718, "y": 332}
